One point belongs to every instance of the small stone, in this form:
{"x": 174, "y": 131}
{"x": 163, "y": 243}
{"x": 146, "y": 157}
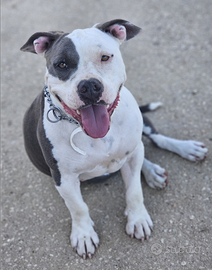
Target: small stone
{"x": 191, "y": 217}
{"x": 183, "y": 263}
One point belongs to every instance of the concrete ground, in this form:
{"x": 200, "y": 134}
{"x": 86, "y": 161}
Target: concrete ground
{"x": 169, "y": 62}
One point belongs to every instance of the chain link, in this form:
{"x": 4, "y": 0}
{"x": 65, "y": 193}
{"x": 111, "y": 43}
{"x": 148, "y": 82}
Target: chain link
{"x": 56, "y": 111}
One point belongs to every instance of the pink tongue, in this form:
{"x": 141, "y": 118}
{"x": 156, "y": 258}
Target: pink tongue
{"x": 95, "y": 120}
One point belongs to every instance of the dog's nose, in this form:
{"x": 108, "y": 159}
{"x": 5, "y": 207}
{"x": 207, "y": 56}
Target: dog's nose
{"x": 90, "y": 90}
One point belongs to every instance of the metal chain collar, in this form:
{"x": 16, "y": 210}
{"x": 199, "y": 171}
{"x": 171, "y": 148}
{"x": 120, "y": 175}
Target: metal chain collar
{"x": 56, "y": 111}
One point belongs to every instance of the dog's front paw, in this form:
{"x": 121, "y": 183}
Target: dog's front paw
{"x": 139, "y": 224}
{"x": 84, "y": 239}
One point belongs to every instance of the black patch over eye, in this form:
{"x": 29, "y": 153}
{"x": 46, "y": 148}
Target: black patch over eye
{"x": 105, "y": 58}
{"x": 62, "y": 59}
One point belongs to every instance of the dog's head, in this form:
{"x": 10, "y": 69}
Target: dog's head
{"x": 85, "y": 71}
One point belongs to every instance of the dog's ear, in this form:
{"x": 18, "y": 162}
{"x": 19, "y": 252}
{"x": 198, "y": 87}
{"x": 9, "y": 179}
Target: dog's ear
{"x": 41, "y": 41}
{"x": 120, "y": 29}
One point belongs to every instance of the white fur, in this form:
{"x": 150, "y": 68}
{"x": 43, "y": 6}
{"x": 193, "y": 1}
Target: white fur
{"x": 91, "y": 44}
{"x": 147, "y": 130}
{"x": 155, "y": 176}
{"x": 190, "y": 150}
{"x": 80, "y": 157}
{"x": 121, "y": 149}
{"x": 154, "y": 105}
{"x": 139, "y": 223}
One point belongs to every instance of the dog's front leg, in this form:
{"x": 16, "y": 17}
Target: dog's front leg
{"x": 139, "y": 223}
{"x": 83, "y": 237}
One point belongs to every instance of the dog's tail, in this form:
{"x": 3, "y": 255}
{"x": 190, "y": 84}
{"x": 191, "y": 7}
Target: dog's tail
{"x": 150, "y": 107}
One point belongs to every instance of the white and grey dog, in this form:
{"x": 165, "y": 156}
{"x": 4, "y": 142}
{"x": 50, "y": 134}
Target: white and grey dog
{"x": 86, "y": 124}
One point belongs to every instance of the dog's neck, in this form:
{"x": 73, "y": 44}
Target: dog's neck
{"x": 57, "y": 113}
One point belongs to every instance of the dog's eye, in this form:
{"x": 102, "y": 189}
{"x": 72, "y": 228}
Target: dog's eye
{"x": 105, "y": 58}
{"x": 62, "y": 65}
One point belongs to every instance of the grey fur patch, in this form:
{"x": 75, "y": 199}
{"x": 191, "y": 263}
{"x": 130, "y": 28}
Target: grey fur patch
{"x": 37, "y": 145}
{"x": 62, "y": 51}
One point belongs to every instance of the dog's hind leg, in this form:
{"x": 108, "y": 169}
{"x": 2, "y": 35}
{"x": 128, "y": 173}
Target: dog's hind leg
{"x": 191, "y": 150}
{"x": 155, "y": 176}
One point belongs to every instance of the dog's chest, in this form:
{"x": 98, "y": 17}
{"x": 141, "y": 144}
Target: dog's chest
{"x": 103, "y": 156}
{"x": 87, "y": 157}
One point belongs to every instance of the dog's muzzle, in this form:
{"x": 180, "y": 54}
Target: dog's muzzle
{"x": 90, "y": 91}
{"x": 95, "y": 115}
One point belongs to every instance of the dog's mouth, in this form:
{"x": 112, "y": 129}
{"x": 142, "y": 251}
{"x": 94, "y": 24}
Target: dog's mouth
{"x": 93, "y": 118}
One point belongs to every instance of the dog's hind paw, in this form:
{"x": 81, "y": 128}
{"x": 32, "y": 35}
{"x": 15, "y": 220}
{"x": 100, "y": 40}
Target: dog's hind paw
{"x": 155, "y": 176}
{"x": 192, "y": 150}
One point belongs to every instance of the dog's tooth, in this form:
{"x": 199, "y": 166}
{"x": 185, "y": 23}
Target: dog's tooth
{"x": 108, "y": 106}
{"x": 78, "y": 112}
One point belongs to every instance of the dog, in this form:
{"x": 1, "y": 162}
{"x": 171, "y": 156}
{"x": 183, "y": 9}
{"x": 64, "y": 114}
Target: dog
{"x": 86, "y": 123}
